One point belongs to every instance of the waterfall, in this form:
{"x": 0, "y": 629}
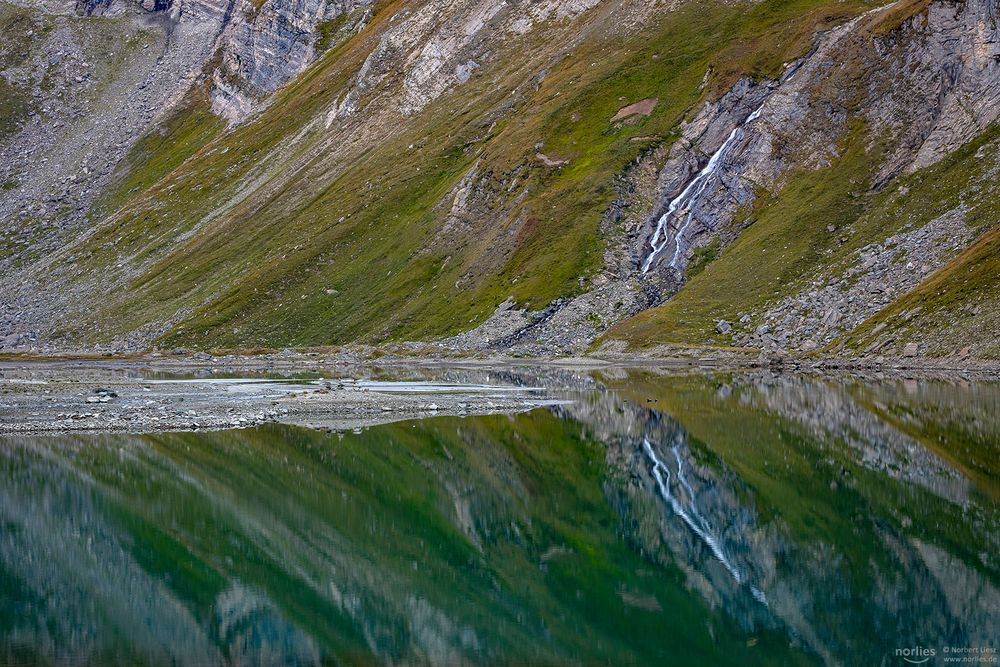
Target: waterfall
{"x": 689, "y": 197}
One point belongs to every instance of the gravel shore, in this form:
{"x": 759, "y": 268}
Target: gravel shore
{"x": 349, "y": 390}
{"x": 140, "y": 397}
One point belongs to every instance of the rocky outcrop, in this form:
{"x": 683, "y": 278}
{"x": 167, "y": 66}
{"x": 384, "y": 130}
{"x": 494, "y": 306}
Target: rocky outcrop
{"x": 261, "y": 44}
{"x": 440, "y": 45}
{"x": 925, "y": 88}
{"x": 266, "y": 44}
{"x": 835, "y": 305}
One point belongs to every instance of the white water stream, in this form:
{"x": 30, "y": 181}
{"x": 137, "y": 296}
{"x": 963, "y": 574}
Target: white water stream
{"x": 687, "y": 201}
{"x": 691, "y": 515}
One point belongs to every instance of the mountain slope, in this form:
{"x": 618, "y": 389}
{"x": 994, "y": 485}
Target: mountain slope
{"x": 827, "y": 239}
{"x": 429, "y": 167}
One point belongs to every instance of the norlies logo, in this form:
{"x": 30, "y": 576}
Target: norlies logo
{"x": 917, "y": 655}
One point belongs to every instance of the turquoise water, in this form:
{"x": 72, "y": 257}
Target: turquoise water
{"x": 655, "y": 520}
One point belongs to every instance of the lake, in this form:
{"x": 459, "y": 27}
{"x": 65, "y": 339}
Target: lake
{"x": 647, "y": 519}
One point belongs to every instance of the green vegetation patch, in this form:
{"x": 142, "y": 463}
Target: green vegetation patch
{"x": 15, "y": 106}
{"x": 703, "y": 256}
{"x": 16, "y": 102}
{"x": 328, "y": 32}
{"x": 163, "y": 149}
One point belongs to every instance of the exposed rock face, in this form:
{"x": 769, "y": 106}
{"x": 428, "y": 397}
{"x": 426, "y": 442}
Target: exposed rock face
{"x": 265, "y": 45}
{"x": 956, "y": 54}
{"x": 440, "y": 44}
{"x": 454, "y": 50}
{"x": 187, "y": 10}
{"x": 262, "y": 44}
{"x": 699, "y": 187}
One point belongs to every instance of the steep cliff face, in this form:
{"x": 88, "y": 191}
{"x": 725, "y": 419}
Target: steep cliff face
{"x": 259, "y": 44}
{"x": 518, "y": 176}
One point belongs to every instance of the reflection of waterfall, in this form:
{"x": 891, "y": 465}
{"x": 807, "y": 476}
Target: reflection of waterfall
{"x": 690, "y": 513}
{"x": 688, "y": 199}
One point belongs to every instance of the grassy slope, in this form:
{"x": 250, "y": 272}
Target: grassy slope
{"x": 164, "y": 149}
{"x": 287, "y": 266}
{"x": 959, "y": 305}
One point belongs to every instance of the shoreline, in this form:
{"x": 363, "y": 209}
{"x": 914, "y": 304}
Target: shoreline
{"x": 427, "y": 356}
{"x": 348, "y": 390}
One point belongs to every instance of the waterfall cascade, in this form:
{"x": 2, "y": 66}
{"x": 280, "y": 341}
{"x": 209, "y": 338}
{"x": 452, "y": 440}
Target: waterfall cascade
{"x": 689, "y": 198}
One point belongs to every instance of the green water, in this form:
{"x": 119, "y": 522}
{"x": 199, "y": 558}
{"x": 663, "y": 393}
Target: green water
{"x": 653, "y": 521}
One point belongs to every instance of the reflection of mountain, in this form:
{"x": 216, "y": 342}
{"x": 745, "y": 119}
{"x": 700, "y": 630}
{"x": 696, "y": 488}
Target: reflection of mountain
{"x": 678, "y": 493}
{"x": 831, "y": 413}
{"x": 446, "y": 541}
{"x": 689, "y": 520}
{"x": 792, "y": 506}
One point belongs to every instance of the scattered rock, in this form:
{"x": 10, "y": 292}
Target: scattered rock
{"x": 550, "y": 162}
{"x": 632, "y": 111}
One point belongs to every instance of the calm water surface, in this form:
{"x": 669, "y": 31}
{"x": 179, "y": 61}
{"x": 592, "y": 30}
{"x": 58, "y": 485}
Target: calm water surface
{"x": 655, "y": 520}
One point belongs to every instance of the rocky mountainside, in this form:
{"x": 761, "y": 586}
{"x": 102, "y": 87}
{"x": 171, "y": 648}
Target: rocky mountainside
{"x": 529, "y": 177}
